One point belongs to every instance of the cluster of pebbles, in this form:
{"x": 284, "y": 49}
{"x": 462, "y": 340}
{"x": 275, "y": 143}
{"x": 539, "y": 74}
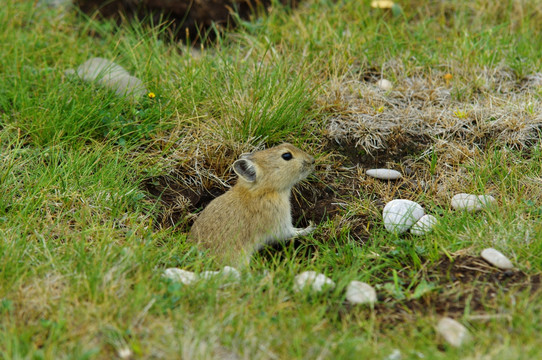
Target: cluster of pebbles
{"x": 399, "y": 216}
{"x": 357, "y": 292}
{"x": 227, "y": 275}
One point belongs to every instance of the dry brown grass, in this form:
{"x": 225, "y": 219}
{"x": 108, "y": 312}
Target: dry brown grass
{"x": 493, "y": 107}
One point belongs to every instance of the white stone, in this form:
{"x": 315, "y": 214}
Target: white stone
{"x": 399, "y": 215}
{"x": 496, "y": 258}
{"x": 112, "y": 76}
{"x": 384, "y": 174}
{"x": 424, "y": 225}
{"x": 359, "y": 292}
{"x": 124, "y": 353}
{"x": 453, "y": 332}
{"x": 56, "y": 3}
{"x": 227, "y": 275}
{"x": 207, "y": 275}
{"x": 471, "y": 202}
{"x": 316, "y": 281}
{"x": 395, "y": 355}
{"x": 231, "y": 272}
{"x": 384, "y": 84}
{"x": 183, "y": 276}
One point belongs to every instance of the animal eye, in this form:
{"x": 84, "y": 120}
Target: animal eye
{"x": 287, "y": 156}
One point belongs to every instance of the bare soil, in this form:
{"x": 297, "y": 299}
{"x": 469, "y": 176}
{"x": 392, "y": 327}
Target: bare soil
{"x": 464, "y": 285}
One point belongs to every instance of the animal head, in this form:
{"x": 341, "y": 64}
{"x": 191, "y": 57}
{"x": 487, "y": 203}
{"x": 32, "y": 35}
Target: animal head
{"x": 278, "y": 168}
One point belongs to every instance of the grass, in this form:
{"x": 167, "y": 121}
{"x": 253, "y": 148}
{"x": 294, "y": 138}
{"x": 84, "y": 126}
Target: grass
{"x": 94, "y": 199}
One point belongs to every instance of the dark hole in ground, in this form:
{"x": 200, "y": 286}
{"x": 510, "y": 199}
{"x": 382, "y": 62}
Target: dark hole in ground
{"x": 178, "y": 201}
{"x": 398, "y": 148}
{"x": 314, "y": 202}
{"x": 371, "y": 74}
{"x": 193, "y": 20}
{"x": 466, "y": 282}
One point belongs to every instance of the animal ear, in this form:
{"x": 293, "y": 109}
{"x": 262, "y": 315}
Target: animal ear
{"x": 245, "y": 169}
{"x": 247, "y": 156}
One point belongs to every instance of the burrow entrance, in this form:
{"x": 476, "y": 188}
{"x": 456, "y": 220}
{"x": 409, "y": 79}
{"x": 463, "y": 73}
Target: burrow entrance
{"x": 315, "y": 200}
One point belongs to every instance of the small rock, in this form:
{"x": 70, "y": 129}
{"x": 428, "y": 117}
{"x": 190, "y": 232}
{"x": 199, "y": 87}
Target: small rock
{"x": 183, "y": 276}
{"x": 359, "y": 292}
{"x": 496, "y": 258}
{"x": 56, "y": 3}
{"x": 453, "y": 332}
{"x": 231, "y": 272}
{"x": 228, "y": 274}
{"x": 395, "y": 355}
{"x": 471, "y": 202}
{"x": 125, "y": 353}
{"x": 311, "y": 278}
{"x": 384, "y": 174}
{"x": 208, "y": 275}
{"x": 110, "y": 75}
{"x": 384, "y": 84}
{"x": 424, "y": 225}
{"x": 399, "y": 215}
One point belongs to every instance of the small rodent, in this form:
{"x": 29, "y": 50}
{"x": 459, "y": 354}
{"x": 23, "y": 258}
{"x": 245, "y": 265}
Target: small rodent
{"x": 256, "y": 210}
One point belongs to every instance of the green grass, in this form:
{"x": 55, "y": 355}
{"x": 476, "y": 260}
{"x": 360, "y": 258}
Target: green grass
{"x": 80, "y": 245}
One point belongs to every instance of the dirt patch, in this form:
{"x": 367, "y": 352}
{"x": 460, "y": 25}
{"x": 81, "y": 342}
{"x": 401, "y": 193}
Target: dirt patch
{"x": 314, "y": 201}
{"x": 398, "y": 148}
{"x": 184, "y": 19}
{"x": 179, "y": 202}
{"x": 464, "y": 284}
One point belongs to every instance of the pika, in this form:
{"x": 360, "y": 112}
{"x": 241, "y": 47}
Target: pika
{"x": 256, "y": 210}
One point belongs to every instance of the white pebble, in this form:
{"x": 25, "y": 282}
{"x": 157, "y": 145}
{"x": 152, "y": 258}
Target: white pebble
{"x": 112, "y": 76}
{"x": 399, "y": 215}
{"x": 231, "y": 272}
{"x": 384, "y": 174}
{"x": 395, "y": 355}
{"x": 452, "y": 331}
{"x": 183, "y": 276}
{"x": 471, "y": 202}
{"x": 227, "y": 273}
{"x": 496, "y": 258}
{"x": 384, "y": 84}
{"x": 359, "y": 292}
{"x": 208, "y": 275}
{"x": 56, "y": 4}
{"x": 316, "y": 281}
{"x": 424, "y": 225}
{"x": 124, "y": 353}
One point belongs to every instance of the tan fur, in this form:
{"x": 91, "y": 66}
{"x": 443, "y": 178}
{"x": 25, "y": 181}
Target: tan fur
{"x": 253, "y": 213}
